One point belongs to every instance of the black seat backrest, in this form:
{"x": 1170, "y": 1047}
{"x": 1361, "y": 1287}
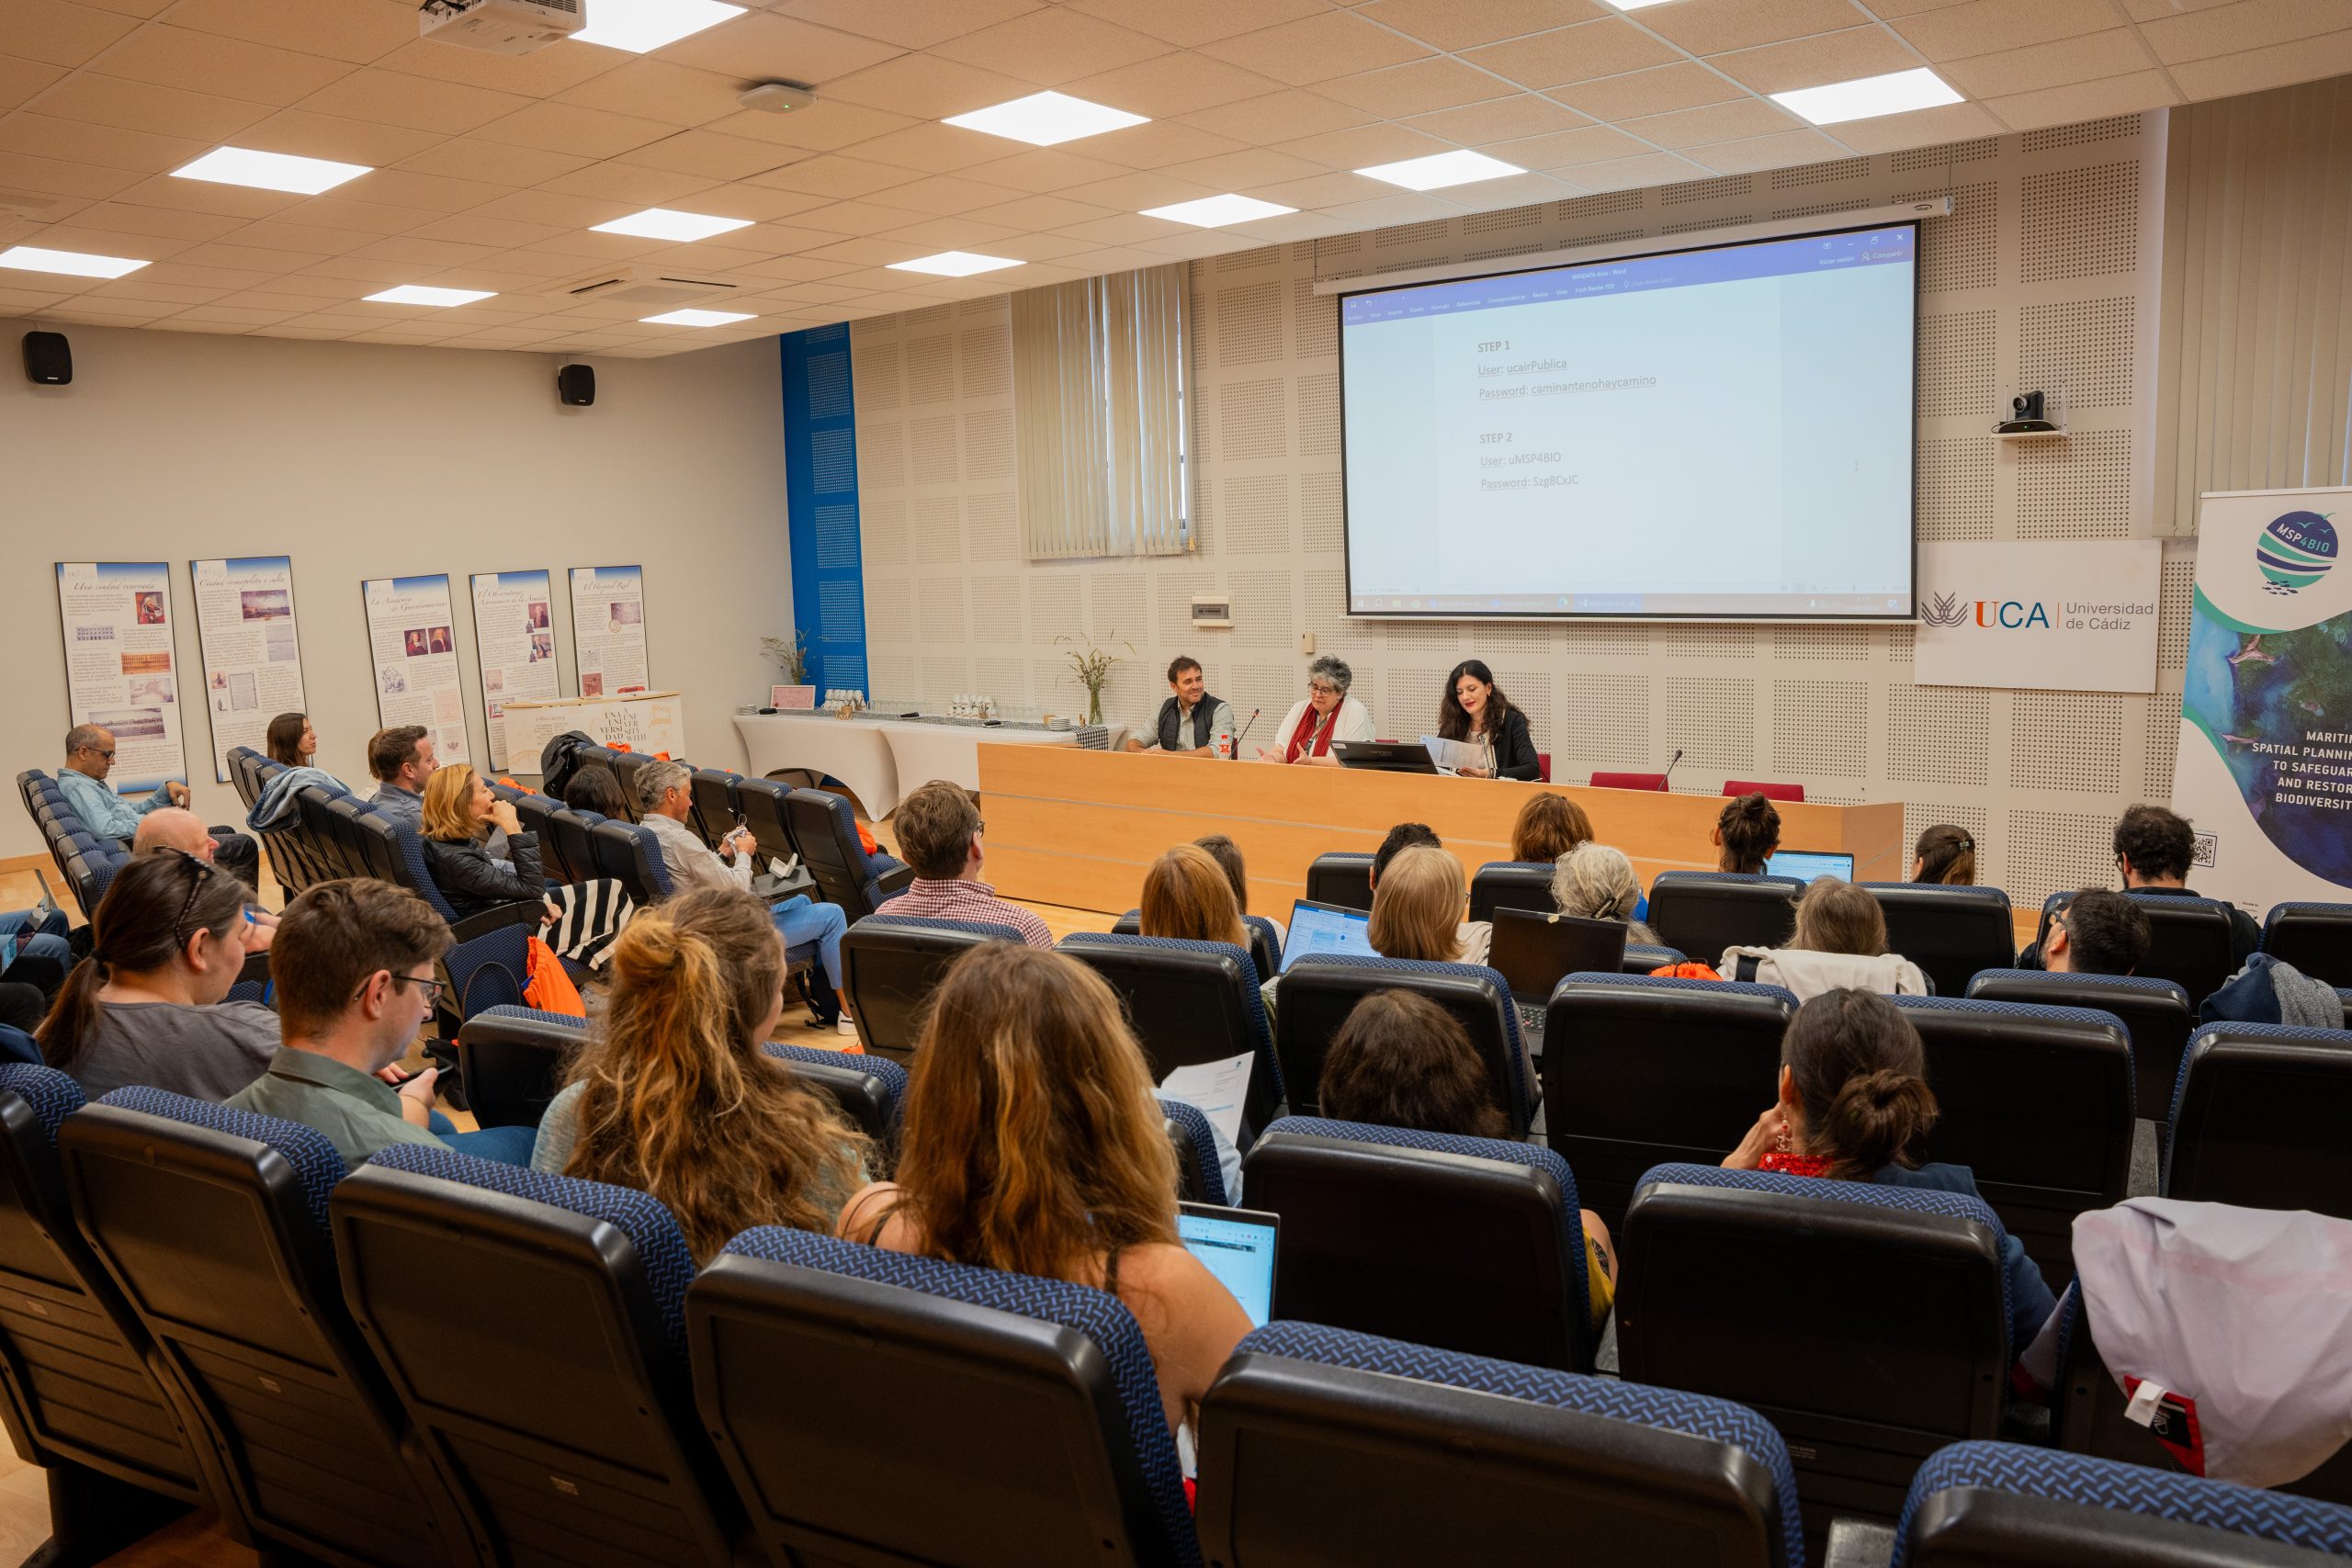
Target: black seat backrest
{"x": 241, "y": 776}
{"x": 513, "y": 1061}
{"x": 2188, "y": 943}
{"x": 869, "y": 1090}
{"x": 1639, "y": 1071}
{"x": 762, "y": 804}
{"x": 1512, "y": 884}
{"x": 1862, "y": 1388}
{"x": 1342, "y": 877}
{"x": 1265, "y": 952}
{"x": 80, "y": 1384}
{"x": 890, "y": 966}
{"x": 2157, "y": 1012}
{"x": 1464, "y": 1244}
{"x": 536, "y": 813}
{"x": 1535, "y": 952}
{"x": 2044, "y": 1156}
{"x": 252, "y": 1321}
{"x": 2261, "y": 1117}
{"x": 828, "y": 842}
{"x": 380, "y": 845}
{"x": 1200, "y": 1173}
{"x": 1325, "y": 1448}
{"x": 2314, "y": 938}
{"x": 1322, "y": 990}
{"x": 631, "y": 855}
{"x": 1189, "y": 1001}
{"x": 626, "y": 766}
{"x": 351, "y": 840}
{"x": 1703, "y": 912}
{"x": 716, "y": 813}
{"x": 533, "y": 1328}
{"x": 572, "y": 844}
{"x": 1950, "y": 932}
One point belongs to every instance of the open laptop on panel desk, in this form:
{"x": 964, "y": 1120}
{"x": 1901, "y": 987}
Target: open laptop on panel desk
{"x": 1531, "y": 952}
{"x": 1325, "y": 928}
{"x": 1810, "y": 865}
{"x": 1385, "y": 756}
{"x": 1236, "y": 1245}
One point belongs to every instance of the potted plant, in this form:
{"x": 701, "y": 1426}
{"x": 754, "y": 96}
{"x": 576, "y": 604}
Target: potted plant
{"x": 790, "y": 656}
{"x": 1092, "y": 666}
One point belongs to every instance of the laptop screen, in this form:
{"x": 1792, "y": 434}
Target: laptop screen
{"x": 1810, "y": 865}
{"x": 1533, "y": 952}
{"x": 1238, "y": 1246}
{"x": 1325, "y": 928}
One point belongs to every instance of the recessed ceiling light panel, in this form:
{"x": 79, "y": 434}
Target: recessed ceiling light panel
{"x": 423, "y": 294}
{"x": 695, "y": 318}
{"x": 1635, "y": 4}
{"x": 953, "y": 264}
{"x": 642, "y": 26}
{"x": 1441, "y": 169}
{"x": 75, "y": 264}
{"x": 269, "y": 171}
{"x": 1046, "y": 119}
{"x": 1868, "y": 96}
{"x": 1216, "y": 211}
{"x": 661, "y": 223}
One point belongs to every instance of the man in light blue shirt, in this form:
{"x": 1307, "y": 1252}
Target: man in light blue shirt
{"x": 89, "y": 757}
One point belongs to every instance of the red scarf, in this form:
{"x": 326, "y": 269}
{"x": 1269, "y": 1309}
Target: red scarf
{"x": 1321, "y": 746}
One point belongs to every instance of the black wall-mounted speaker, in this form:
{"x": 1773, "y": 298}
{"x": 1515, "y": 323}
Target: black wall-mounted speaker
{"x": 48, "y": 359}
{"x": 576, "y": 385}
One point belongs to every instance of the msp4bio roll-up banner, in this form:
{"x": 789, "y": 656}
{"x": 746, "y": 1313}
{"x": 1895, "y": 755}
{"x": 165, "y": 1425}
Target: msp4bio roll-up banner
{"x": 2264, "y": 769}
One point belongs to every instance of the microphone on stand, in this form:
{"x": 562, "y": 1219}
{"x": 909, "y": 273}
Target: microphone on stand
{"x": 1245, "y": 731}
{"x": 1669, "y": 774}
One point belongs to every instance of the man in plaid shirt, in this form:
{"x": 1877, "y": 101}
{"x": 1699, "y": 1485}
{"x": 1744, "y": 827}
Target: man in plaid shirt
{"x": 939, "y": 835}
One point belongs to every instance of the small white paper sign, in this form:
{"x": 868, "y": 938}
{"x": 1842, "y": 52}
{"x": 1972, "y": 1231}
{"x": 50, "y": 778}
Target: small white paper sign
{"x": 1215, "y": 1091}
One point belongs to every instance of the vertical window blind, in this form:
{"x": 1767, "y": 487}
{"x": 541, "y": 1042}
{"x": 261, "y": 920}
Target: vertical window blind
{"x": 2254, "y": 385}
{"x": 1098, "y": 397}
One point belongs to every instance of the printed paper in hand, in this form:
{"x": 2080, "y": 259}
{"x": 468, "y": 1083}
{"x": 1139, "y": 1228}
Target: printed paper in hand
{"x": 1453, "y": 756}
{"x": 1215, "y": 1089}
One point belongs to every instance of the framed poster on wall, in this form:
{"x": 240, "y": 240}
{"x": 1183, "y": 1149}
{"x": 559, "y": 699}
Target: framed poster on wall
{"x": 116, "y": 617}
{"x": 252, "y": 651}
{"x": 608, "y": 629}
{"x": 513, "y": 646}
{"x": 412, "y": 649}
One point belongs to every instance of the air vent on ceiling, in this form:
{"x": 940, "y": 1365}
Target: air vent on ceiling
{"x": 645, "y": 286}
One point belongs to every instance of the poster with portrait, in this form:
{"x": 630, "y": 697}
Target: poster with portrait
{"x": 412, "y": 648}
{"x": 514, "y": 645}
{"x": 608, "y": 629}
{"x": 116, "y": 617}
{"x": 252, "y": 656}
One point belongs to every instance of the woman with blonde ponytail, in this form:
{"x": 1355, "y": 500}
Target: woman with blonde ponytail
{"x": 674, "y": 1096}
{"x": 1033, "y": 1143}
{"x": 1854, "y": 1106}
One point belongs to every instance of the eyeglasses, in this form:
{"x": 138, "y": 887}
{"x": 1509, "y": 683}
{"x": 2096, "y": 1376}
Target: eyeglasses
{"x": 433, "y": 988}
{"x": 194, "y": 890}
{"x": 1325, "y": 687}
{"x": 108, "y": 755}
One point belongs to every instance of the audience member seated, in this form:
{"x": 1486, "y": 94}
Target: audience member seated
{"x": 1597, "y": 883}
{"x": 1840, "y": 942}
{"x": 290, "y": 740}
{"x": 1548, "y": 827}
{"x": 1474, "y": 712}
{"x": 89, "y": 757}
{"x": 673, "y": 1095}
{"x": 1326, "y": 713}
{"x": 1946, "y": 854}
{"x": 595, "y": 788}
{"x": 939, "y": 833}
{"x": 1402, "y": 1061}
{"x": 1033, "y": 1143}
{"x": 352, "y": 968}
{"x": 1189, "y": 722}
{"x": 1185, "y": 896}
{"x": 665, "y": 800}
{"x": 1227, "y": 855}
{"x": 402, "y": 760}
{"x": 175, "y": 828}
{"x": 1400, "y": 837}
{"x": 147, "y": 1005}
{"x": 1747, "y": 833}
{"x": 1417, "y": 906}
{"x": 460, "y": 812}
{"x": 1854, "y": 1105}
{"x": 2153, "y": 848}
{"x": 2094, "y": 933}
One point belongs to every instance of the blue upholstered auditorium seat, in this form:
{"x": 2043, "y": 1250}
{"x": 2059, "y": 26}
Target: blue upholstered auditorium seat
{"x": 1950, "y": 932}
{"x": 1042, "y": 1437}
{"x": 1265, "y": 947}
{"x": 1200, "y": 1176}
{"x": 2000, "y": 1506}
{"x": 533, "y": 1328}
{"x": 2314, "y": 938}
{"x": 716, "y": 810}
{"x": 1321, "y": 989}
{"x": 1190, "y": 1002}
{"x": 512, "y": 1059}
{"x": 2259, "y": 1117}
{"x": 824, "y": 830}
{"x": 1325, "y": 1448}
{"x": 1342, "y": 877}
{"x": 1512, "y": 884}
{"x": 629, "y": 854}
{"x": 2157, "y": 1013}
{"x": 890, "y": 965}
{"x": 1466, "y": 1244}
{"x": 870, "y": 1090}
{"x": 1703, "y": 912}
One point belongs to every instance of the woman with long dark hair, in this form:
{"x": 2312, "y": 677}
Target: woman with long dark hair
{"x": 1474, "y": 712}
{"x": 291, "y": 741}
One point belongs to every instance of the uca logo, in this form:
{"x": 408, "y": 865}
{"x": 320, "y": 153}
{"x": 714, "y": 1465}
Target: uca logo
{"x": 1945, "y": 610}
{"x": 2008, "y": 615}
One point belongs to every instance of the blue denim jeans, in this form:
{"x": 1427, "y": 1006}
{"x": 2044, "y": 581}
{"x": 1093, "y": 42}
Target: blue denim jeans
{"x": 802, "y": 922}
{"x": 46, "y": 939}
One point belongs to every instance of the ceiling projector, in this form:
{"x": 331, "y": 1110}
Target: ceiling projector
{"x": 499, "y": 27}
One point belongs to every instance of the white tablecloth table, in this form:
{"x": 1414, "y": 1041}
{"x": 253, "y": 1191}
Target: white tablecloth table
{"x": 880, "y": 759}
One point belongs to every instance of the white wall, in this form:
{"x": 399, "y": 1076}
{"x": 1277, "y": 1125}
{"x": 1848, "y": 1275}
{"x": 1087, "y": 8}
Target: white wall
{"x": 365, "y": 460}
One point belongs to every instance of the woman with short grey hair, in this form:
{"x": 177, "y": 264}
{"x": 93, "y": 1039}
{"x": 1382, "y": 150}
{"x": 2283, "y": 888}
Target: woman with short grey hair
{"x": 1326, "y": 713}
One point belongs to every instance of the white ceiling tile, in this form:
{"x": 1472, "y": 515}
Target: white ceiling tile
{"x": 821, "y": 127}
{"x": 1568, "y": 148}
{"x": 473, "y": 229}
{"x": 551, "y": 208}
{"x": 910, "y": 24}
{"x": 1711, "y": 27}
{"x": 1510, "y": 190}
{"x": 1238, "y": 171}
{"x": 422, "y": 252}
{"x": 1321, "y": 191}
{"x": 1043, "y": 170}
{"x": 2114, "y": 52}
{"x": 20, "y": 79}
{"x": 74, "y": 235}
{"x": 308, "y": 135}
{"x": 1465, "y": 24}
{"x": 1730, "y": 121}
{"x": 1920, "y": 128}
{"x": 302, "y": 239}
{"x": 224, "y": 266}
{"x": 709, "y": 154}
{"x": 118, "y": 218}
{"x": 539, "y": 74}
{"x": 2279, "y": 65}
{"x": 933, "y": 234}
{"x": 1130, "y": 193}
{"x": 1502, "y": 119}
{"x": 1158, "y": 144}
{"x": 932, "y": 148}
{"x": 1645, "y": 169}
{"x": 573, "y": 131}
{"x": 656, "y": 89}
{"x": 136, "y": 290}
{"x": 1397, "y": 207}
{"x": 50, "y": 176}
{"x": 1779, "y": 151}
{"x": 634, "y": 184}
{"x": 35, "y": 299}
{"x": 56, "y": 33}
{"x": 1054, "y": 45}
{"x": 189, "y": 195}
{"x": 2235, "y": 30}
{"x": 473, "y": 161}
{"x": 1659, "y": 90}
{"x": 1984, "y": 26}
{"x": 1173, "y": 84}
{"x": 1280, "y": 117}
{"x": 1579, "y": 54}
{"x": 1187, "y": 243}
{"x": 927, "y": 87}
{"x": 2138, "y": 10}
{"x": 2084, "y": 100}
{"x": 1813, "y": 62}
{"x": 1363, "y": 146}
{"x": 1317, "y": 48}
{"x": 835, "y": 174}
{"x": 100, "y": 99}
{"x": 342, "y": 30}
{"x": 942, "y": 195}
{"x": 1421, "y": 87}
{"x": 410, "y": 187}
{"x": 39, "y": 136}
{"x": 419, "y": 102}
{"x": 175, "y": 57}
{"x": 764, "y": 44}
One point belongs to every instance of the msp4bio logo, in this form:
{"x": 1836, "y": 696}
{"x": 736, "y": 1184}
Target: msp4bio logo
{"x": 2295, "y": 551}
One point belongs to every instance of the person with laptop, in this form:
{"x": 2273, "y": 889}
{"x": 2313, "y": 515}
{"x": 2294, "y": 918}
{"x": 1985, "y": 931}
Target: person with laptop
{"x": 1326, "y": 713}
{"x": 1033, "y": 1143}
{"x": 1839, "y": 942}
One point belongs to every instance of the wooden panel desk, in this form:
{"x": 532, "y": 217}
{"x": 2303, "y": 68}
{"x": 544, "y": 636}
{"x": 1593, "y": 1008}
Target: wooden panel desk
{"x": 1078, "y": 828}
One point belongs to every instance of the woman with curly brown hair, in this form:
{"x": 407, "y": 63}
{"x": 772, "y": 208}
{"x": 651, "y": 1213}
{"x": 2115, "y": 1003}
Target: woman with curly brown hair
{"x": 674, "y": 1096}
{"x": 1033, "y": 1143}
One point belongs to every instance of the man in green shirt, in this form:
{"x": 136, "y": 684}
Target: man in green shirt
{"x": 353, "y": 964}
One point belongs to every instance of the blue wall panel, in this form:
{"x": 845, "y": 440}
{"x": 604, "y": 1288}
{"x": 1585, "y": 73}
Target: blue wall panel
{"x": 821, "y": 491}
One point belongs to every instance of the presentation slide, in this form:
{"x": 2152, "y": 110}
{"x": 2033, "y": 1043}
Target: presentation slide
{"x": 1720, "y": 432}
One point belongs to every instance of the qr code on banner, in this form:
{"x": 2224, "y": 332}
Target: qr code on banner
{"x": 2207, "y": 846}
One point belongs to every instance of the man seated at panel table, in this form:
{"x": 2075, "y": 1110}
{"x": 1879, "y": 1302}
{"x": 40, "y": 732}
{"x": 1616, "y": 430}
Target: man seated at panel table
{"x": 1190, "y": 721}
{"x": 89, "y": 757}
